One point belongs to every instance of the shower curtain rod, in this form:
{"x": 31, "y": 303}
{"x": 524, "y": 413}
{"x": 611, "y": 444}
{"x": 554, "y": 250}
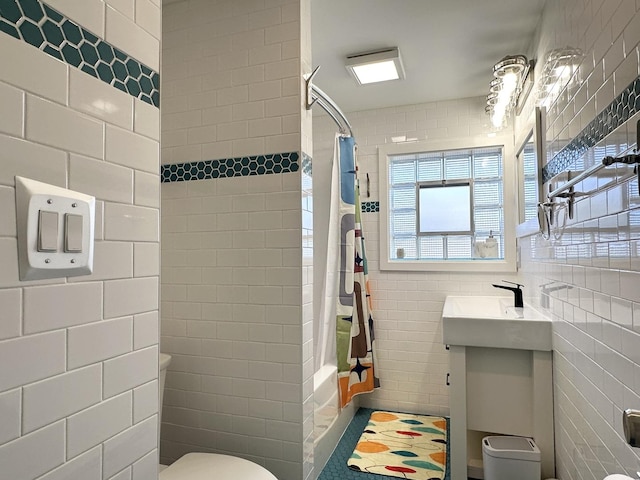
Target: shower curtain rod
{"x": 315, "y": 95}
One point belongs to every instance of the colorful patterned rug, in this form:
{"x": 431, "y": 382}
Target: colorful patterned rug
{"x": 402, "y": 445}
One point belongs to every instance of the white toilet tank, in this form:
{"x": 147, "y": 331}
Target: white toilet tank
{"x": 205, "y": 466}
{"x": 165, "y": 360}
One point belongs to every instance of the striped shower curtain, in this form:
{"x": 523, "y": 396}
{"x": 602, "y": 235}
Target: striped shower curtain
{"x": 355, "y": 341}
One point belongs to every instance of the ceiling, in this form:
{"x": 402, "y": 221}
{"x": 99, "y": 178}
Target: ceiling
{"x": 448, "y": 47}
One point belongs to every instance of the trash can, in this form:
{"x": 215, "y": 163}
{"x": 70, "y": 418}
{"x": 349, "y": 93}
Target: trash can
{"x": 507, "y": 458}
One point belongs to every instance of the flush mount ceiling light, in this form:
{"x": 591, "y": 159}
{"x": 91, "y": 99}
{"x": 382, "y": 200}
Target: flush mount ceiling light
{"x": 509, "y": 75}
{"x": 375, "y": 66}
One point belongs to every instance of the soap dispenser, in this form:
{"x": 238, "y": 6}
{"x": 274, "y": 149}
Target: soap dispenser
{"x": 491, "y": 246}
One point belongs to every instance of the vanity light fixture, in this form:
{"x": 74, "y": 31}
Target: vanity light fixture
{"x": 509, "y": 75}
{"x": 558, "y": 72}
{"x": 375, "y": 66}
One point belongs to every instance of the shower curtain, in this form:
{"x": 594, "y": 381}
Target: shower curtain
{"x": 355, "y": 341}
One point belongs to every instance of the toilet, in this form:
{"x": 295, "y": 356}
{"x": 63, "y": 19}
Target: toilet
{"x": 205, "y": 466}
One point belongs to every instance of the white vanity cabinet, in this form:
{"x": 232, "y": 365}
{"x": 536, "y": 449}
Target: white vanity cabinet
{"x": 500, "y": 379}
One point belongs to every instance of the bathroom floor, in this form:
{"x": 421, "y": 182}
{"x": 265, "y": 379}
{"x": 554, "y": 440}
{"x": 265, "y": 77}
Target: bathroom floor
{"x": 336, "y": 468}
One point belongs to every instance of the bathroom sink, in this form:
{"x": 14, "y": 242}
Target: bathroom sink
{"x": 487, "y": 321}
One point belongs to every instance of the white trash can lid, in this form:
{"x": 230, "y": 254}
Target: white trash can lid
{"x": 517, "y": 448}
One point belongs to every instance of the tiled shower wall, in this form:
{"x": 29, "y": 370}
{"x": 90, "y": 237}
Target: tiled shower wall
{"x": 407, "y": 306}
{"x": 231, "y": 79}
{"x": 79, "y": 356}
{"x": 231, "y": 310}
{"x": 591, "y": 270}
{"x": 236, "y": 277}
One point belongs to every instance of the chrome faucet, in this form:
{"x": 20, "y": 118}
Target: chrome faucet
{"x": 517, "y": 292}
{"x": 547, "y": 288}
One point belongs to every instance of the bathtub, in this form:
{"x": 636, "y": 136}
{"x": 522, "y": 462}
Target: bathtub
{"x": 325, "y": 399}
{"x": 329, "y": 421}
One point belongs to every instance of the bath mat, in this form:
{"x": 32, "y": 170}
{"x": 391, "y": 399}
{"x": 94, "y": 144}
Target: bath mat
{"x": 402, "y": 445}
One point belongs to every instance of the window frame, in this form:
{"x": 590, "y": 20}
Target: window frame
{"x": 511, "y": 212}
{"x": 536, "y": 131}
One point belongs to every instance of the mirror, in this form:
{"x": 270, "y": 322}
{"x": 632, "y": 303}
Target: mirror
{"x": 530, "y": 159}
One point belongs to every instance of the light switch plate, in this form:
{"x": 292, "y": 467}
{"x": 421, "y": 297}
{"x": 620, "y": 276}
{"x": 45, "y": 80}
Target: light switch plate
{"x": 33, "y": 197}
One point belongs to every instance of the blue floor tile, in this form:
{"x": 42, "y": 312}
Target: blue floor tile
{"x": 336, "y": 468}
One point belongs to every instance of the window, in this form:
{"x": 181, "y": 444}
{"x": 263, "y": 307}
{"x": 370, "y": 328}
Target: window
{"x": 456, "y": 219}
{"x": 444, "y": 209}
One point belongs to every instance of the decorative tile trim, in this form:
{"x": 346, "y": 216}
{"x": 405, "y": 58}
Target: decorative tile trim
{"x": 307, "y": 164}
{"x": 231, "y": 167}
{"x": 370, "y": 207}
{"x": 48, "y": 30}
{"x": 623, "y": 107}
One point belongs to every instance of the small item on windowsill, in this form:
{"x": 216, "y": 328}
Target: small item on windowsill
{"x": 479, "y": 249}
{"x": 487, "y": 248}
{"x": 491, "y": 246}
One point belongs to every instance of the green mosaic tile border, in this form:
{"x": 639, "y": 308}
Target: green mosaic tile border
{"x": 231, "y": 167}
{"x": 47, "y": 29}
{"x": 621, "y": 109}
{"x": 370, "y": 207}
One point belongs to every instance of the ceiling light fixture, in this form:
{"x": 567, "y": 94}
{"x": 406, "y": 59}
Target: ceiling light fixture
{"x": 375, "y": 66}
{"x": 509, "y": 75}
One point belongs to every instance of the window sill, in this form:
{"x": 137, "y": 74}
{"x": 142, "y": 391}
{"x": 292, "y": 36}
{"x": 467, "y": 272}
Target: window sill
{"x": 449, "y": 266}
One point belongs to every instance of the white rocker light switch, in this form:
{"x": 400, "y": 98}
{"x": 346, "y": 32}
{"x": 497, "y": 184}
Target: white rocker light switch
{"x": 48, "y": 231}
{"x": 73, "y": 233}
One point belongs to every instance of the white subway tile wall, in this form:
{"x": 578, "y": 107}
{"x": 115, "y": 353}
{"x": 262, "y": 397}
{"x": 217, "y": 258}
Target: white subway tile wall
{"x": 99, "y": 100}
{"x": 19, "y": 351}
{"x": 95, "y": 425}
{"x": 105, "y": 180}
{"x": 73, "y": 131}
{"x": 18, "y": 459}
{"x": 59, "y": 397}
{"x": 27, "y": 74}
{"x": 90, "y": 14}
{"x": 14, "y": 100}
{"x": 74, "y": 399}
{"x": 224, "y": 318}
{"x": 10, "y": 410}
{"x": 123, "y": 475}
{"x": 128, "y": 35}
{"x": 145, "y": 401}
{"x": 45, "y": 164}
{"x": 594, "y": 264}
{"x": 129, "y": 446}
{"x": 225, "y": 85}
{"x": 232, "y": 248}
{"x": 116, "y": 338}
{"x": 87, "y": 466}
